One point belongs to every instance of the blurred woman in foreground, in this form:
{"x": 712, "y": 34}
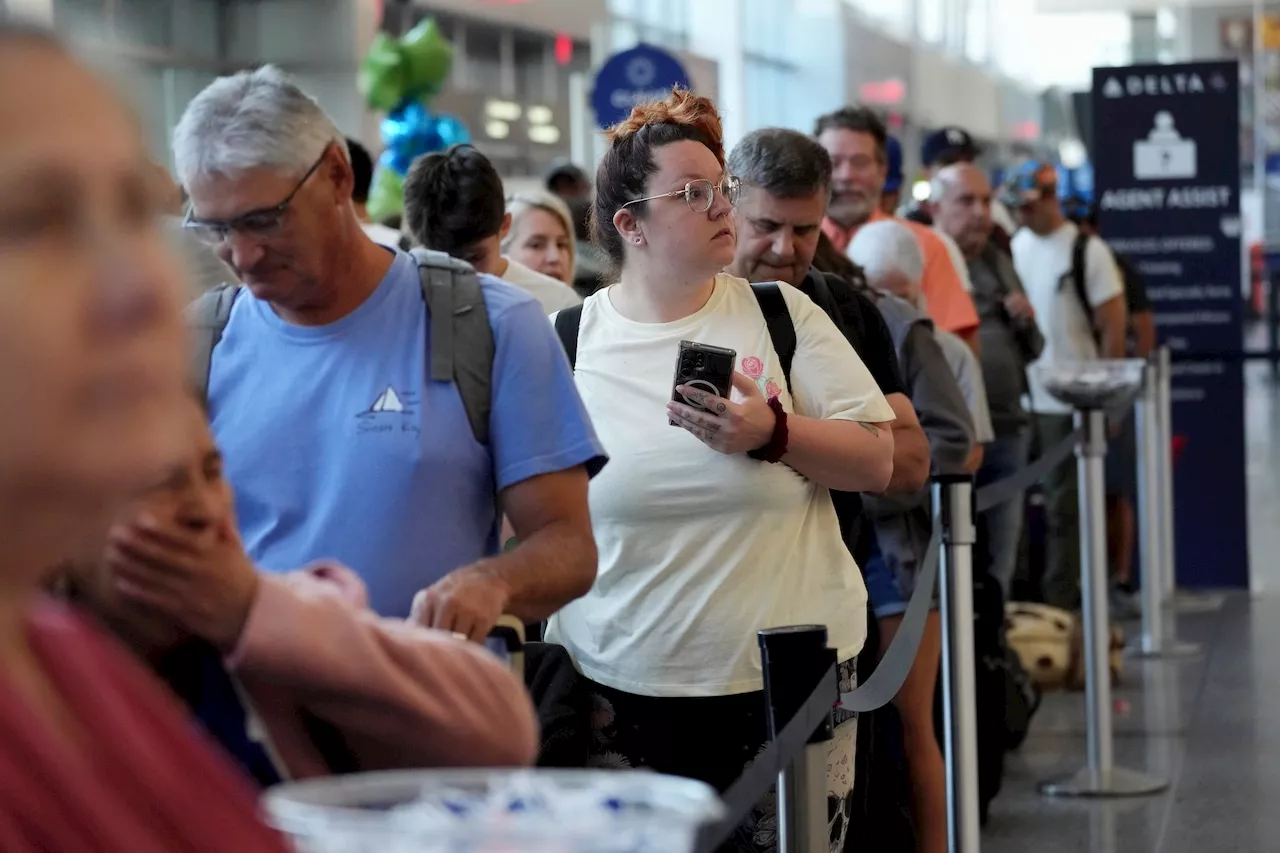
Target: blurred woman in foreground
{"x": 94, "y": 756}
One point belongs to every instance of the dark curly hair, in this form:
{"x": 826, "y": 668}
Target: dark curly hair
{"x": 453, "y": 199}
{"x": 629, "y": 162}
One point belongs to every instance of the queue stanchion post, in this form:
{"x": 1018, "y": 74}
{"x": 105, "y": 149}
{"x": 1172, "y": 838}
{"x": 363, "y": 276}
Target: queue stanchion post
{"x": 794, "y": 660}
{"x": 953, "y": 507}
{"x": 1153, "y": 642}
{"x": 1164, "y": 403}
{"x": 1100, "y": 777}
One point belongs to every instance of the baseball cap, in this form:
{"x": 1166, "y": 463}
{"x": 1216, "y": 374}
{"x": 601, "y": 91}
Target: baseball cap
{"x": 893, "y": 154}
{"x": 1030, "y": 182}
{"x": 564, "y": 168}
{"x": 950, "y": 144}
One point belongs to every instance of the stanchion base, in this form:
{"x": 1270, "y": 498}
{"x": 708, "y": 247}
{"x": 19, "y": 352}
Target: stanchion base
{"x": 1170, "y": 651}
{"x": 1118, "y": 783}
{"x": 1196, "y": 602}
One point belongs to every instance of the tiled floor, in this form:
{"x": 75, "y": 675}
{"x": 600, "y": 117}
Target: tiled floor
{"x": 1211, "y": 726}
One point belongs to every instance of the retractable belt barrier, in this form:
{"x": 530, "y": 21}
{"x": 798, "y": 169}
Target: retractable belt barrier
{"x": 888, "y": 678}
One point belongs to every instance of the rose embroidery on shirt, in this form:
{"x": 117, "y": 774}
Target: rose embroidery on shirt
{"x": 753, "y": 368}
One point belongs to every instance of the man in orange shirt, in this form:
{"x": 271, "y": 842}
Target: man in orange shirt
{"x": 857, "y": 141}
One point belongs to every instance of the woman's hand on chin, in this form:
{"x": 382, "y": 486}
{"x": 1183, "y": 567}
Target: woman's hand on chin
{"x": 203, "y": 580}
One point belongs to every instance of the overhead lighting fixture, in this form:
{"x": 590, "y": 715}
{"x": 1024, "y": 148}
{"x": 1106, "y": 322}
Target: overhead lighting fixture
{"x": 920, "y": 191}
{"x": 539, "y": 115}
{"x": 544, "y": 134}
{"x": 502, "y": 110}
{"x": 497, "y": 129}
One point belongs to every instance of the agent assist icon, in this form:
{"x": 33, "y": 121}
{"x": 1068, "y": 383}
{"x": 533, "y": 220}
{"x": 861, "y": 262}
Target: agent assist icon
{"x": 1164, "y": 153}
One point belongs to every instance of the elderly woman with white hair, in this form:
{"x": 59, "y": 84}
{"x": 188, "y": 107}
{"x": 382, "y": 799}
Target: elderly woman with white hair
{"x": 894, "y": 265}
{"x": 541, "y": 235}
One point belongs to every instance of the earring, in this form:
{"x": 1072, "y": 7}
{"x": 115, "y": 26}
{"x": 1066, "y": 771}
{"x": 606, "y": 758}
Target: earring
{"x": 636, "y": 240}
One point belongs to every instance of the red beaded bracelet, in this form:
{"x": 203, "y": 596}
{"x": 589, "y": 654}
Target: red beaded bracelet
{"x": 776, "y": 448}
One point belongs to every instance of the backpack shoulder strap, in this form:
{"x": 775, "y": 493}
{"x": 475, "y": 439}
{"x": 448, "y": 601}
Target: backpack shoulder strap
{"x": 1079, "y": 273}
{"x": 208, "y": 317}
{"x": 568, "y": 321}
{"x": 462, "y": 348}
{"x": 782, "y": 329}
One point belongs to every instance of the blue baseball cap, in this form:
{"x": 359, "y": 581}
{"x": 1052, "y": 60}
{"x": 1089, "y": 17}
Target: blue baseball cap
{"x": 1031, "y": 181}
{"x": 893, "y": 156}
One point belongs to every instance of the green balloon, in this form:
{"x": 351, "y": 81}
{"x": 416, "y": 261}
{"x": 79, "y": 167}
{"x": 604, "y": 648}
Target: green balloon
{"x": 429, "y": 57}
{"x": 383, "y": 75}
{"x": 386, "y": 196}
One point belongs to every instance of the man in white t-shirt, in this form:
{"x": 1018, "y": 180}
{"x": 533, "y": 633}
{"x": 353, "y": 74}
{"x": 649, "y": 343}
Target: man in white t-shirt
{"x": 454, "y": 203}
{"x": 1043, "y": 252}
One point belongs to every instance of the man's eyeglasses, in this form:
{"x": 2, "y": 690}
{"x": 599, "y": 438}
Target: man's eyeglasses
{"x": 701, "y": 194}
{"x": 256, "y": 223}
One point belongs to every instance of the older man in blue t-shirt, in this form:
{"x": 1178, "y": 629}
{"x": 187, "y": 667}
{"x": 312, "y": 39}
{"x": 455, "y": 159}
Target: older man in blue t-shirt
{"x": 337, "y": 443}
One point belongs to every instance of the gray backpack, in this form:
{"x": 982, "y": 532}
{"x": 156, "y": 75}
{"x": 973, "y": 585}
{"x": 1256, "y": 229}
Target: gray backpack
{"x": 461, "y": 349}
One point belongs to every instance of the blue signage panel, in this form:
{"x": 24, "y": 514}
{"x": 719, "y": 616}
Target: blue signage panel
{"x": 1167, "y": 182}
{"x": 643, "y": 73}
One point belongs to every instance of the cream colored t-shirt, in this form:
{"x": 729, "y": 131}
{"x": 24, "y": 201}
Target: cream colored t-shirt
{"x": 699, "y": 550}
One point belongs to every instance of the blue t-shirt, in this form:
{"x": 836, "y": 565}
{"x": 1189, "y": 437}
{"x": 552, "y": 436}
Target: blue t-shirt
{"x": 338, "y": 446}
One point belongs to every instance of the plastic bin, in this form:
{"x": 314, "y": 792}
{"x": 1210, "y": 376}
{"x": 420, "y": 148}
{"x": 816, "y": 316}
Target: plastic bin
{"x": 494, "y": 811}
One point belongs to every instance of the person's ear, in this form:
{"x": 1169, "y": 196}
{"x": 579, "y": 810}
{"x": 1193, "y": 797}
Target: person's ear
{"x": 338, "y": 168}
{"x": 505, "y": 229}
{"x": 628, "y": 226}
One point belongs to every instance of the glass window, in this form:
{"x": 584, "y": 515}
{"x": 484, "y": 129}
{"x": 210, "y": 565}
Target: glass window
{"x": 932, "y": 27}
{"x": 977, "y": 30}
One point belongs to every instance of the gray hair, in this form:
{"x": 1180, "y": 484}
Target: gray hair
{"x": 783, "y": 163}
{"x": 885, "y": 247}
{"x": 521, "y": 203}
{"x": 252, "y": 120}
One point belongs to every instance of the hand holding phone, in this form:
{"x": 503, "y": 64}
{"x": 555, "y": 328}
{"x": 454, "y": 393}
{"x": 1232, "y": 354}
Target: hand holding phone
{"x": 703, "y": 366}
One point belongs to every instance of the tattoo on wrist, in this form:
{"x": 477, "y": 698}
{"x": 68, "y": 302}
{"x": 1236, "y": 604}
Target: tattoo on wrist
{"x": 871, "y": 428}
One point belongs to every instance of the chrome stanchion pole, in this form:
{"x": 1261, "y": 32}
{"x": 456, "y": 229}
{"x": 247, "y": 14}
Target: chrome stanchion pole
{"x": 1164, "y": 403}
{"x": 794, "y": 660}
{"x": 1100, "y": 777}
{"x": 953, "y": 506}
{"x": 1153, "y": 643}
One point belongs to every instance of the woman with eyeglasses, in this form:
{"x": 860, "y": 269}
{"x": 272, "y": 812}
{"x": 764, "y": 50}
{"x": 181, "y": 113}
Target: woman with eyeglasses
{"x": 95, "y": 756}
{"x": 713, "y": 521}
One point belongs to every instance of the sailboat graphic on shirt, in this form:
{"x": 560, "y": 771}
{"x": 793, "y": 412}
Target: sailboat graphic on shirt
{"x": 388, "y": 401}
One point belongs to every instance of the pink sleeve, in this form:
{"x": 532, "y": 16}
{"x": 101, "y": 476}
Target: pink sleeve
{"x": 401, "y": 695}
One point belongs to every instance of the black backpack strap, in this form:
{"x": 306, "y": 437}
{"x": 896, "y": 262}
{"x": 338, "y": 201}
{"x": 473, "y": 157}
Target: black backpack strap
{"x": 1079, "y": 276}
{"x": 568, "y": 321}
{"x": 782, "y": 330}
{"x": 208, "y": 317}
{"x": 462, "y": 348}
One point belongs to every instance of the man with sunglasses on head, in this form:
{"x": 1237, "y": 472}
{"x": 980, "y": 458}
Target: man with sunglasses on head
{"x": 339, "y": 443}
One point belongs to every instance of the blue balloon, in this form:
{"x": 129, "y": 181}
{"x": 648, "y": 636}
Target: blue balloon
{"x": 410, "y": 130}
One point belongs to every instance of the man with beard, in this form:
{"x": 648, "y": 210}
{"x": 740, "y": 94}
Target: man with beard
{"x": 856, "y": 140}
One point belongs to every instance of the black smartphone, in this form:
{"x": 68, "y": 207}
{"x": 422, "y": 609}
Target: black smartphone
{"x": 705, "y": 367}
